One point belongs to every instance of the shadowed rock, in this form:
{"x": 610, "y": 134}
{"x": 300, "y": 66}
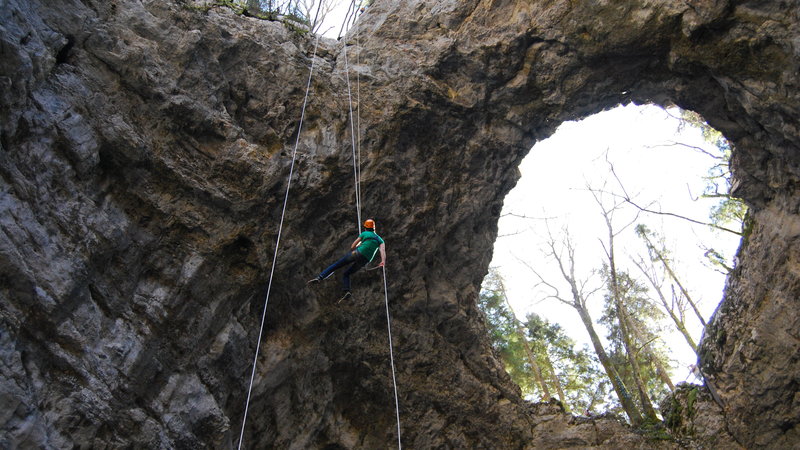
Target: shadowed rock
{"x": 144, "y": 155}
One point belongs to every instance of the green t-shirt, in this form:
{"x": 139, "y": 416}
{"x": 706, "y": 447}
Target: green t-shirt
{"x": 370, "y": 242}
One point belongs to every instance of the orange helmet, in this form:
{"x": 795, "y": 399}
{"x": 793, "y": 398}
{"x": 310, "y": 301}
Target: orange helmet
{"x": 369, "y": 223}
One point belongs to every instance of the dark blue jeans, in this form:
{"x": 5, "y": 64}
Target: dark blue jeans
{"x": 356, "y": 261}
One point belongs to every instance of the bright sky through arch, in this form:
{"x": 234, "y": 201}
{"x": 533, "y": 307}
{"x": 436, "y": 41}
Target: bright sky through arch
{"x": 553, "y": 184}
{"x": 332, "y": 24}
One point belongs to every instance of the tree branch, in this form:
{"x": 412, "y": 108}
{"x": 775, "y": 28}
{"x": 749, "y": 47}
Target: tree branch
{"x": 510, "y": 234}
{"x": 693, "y": 147}
{"x": 662, "y": 213}
{"x": 522, "y": 216}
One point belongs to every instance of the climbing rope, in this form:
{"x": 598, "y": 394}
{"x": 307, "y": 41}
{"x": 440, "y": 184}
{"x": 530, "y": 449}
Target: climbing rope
{"x": 357, "y": 182}
{"x": 357, "y": 177}
{"x": 278, "y": 241}
{"x": 391, "y": 358}
{"x": 358, "y": 111}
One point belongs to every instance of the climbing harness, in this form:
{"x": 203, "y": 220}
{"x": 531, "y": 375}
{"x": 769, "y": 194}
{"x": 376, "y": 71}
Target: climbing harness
{"x": 278, "y": 241}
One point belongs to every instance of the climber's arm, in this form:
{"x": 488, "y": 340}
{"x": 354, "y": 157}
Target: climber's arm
{"x": 382, "y": 249}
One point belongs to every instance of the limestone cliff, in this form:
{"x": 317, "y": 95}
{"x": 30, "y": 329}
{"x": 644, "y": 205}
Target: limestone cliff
{"x": 145, "y": 149}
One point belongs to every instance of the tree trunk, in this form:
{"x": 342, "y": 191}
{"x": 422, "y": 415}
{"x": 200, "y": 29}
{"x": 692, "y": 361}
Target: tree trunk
{"x": 555, "y": 380}
{"x": 624, "y": 321}
{"x": 675, "y": 319}
{"x": 625, "y": 332}
{"x": 536, "y": 370}
{"x": 616, "y": 382}
{"x": 578, "y": 302}
{"x": 675, "y": 279}
{"x": 654, "y": 360}
{"x": 661, "y": 371}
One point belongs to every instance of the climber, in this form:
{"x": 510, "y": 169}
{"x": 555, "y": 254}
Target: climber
{"x": 362, "y": 251}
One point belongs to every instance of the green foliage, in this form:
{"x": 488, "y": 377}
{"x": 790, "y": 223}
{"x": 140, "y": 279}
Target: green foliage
{"x": 585, "y": 385}
{"x": 656, "y": 431}
{"x": 678, "y": 419}
{"x": 505, "y": 339}
{"x": 674, "y": 418}
{"x": 728, "y": 211}
{"x": 291, "y": 9}
{"x": 710, "y": 134}
{"x": 690, "y": 399}
{"x": 498, "y": 317}
{"x": 503, "y": 333}
{"x": 646, "y": 316}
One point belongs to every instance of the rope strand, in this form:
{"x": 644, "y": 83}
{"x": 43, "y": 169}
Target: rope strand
{"x": 358, "y": 112}
{"x": 391, "y": 358}
{"x": 277, "y": 243}
{"x": 353, "y": 140}
{"x": 357, "y": 177}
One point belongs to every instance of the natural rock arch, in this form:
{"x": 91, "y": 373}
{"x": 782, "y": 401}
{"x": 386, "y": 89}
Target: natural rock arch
{"x": 511, "y": 71}
{"x": 144, "y": 154}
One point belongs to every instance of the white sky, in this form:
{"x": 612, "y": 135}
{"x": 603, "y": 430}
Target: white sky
{"x": 333, "y": 20}
{"x": 553, "y": 182}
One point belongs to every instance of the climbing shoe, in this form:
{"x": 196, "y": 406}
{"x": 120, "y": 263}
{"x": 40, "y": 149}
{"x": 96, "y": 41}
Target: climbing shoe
{"x": 347, "y": 295}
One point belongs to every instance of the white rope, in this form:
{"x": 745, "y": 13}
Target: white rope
{"x": 358, "y": 110}
{"x": 391, "y": 358}
{"x": 357, "y": 178}
{"x": 277, "y": 242}
{"x": 353, "y": 140}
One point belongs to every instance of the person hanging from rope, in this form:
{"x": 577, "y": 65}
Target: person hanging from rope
{"x": 362, "y": 251}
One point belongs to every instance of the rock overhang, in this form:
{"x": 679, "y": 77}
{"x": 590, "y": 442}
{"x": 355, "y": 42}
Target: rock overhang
{"x": 457, "y": 93}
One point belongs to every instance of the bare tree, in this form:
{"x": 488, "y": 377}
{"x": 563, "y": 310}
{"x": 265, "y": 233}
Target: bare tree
{"x": 660, "y": 255}
{"x": 316, "y": 11}
{"x": 645, "y": 348}
{"x": 676, "y": 308}
{"x": 354, "y": 9}
{"x": 577, "y": 300}
{"x": 625, "y": 323}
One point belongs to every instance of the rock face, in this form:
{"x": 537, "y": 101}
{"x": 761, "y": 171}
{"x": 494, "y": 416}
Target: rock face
{"x": 692, "y": 413}
{"x": 145, "y": 150}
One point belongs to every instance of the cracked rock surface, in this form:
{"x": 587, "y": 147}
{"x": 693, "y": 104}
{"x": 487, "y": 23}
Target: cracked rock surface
{"x": 145, "y": 149}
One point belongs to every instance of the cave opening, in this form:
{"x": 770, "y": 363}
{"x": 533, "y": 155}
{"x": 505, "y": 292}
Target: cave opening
{"x": 660, "y": 176}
